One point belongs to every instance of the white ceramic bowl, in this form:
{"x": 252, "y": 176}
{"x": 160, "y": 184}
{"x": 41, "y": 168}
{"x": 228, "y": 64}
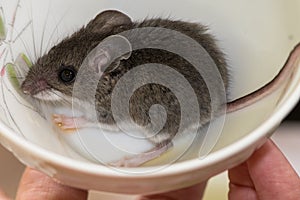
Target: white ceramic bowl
{"x": 257, "y": 46}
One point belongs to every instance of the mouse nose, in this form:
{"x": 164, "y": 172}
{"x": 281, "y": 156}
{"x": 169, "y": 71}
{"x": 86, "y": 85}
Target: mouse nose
{"x": 25, "y": 88}
{"x": 33, "y": 88}
{"x": 27, "y": 92}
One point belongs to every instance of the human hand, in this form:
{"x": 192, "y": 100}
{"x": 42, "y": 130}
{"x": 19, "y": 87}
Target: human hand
{"x": 265, "y": 175}
{"x": 35, "y": 186}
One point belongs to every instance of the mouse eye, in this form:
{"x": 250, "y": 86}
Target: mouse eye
{"x": 67, "y": 74}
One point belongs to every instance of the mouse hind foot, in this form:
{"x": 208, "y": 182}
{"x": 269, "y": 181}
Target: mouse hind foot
{"x": 142, "y": 158}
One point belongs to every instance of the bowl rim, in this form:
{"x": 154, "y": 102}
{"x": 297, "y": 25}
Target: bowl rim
{"x": 175, "y": 168}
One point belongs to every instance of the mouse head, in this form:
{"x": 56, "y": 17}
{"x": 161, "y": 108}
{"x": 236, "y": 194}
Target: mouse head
{"x": 52, "y": 77}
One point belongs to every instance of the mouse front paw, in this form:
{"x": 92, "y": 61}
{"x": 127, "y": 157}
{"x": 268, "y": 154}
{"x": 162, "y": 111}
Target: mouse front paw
{"x": 68, "y": 124}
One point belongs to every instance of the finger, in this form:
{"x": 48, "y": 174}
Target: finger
{"x": 191, "y": 193}
{"x": 241, "y": 185}
{"x": 238, "y": 192}
{"x": 35, "y": 186}
{"x": 272, "y": 175}
{"x": 3, "y": 195}
{"x": 240, "y": 176}
{"x": 266, "y": 174}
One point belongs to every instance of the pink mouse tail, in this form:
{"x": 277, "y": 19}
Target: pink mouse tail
{"x": 284, "y": 74}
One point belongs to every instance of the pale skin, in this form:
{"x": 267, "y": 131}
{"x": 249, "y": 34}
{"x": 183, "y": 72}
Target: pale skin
{"x": 267, "y": 174}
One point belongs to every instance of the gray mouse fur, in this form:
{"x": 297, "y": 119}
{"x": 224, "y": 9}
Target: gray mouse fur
{"x": 42, "y": 79}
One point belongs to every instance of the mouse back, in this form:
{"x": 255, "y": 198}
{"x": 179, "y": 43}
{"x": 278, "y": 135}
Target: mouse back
{"x": 52, "y": 76}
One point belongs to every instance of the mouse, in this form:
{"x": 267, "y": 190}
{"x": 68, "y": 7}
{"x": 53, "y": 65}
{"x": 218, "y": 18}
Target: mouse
{"x": 51, "y": 79}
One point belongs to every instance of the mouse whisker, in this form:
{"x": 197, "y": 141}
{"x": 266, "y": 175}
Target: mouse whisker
{"x": 13, "y": 30}
{"x": 9, "y": 116}
{"x": 13, "y": 20}
{"x": 19, "y": 37}
{"x": 33, "y": 35}
{"x": 41, "y": 108}
{"x": 4, "y": 108}
{"x": 5, "y": 56}
{"x": 59, "y": 95}
{"x": 53, "y": 32}
{"x": 16, "y": 98}
{"x": 3, "y": 52}
{"x": 64, "y": 100}
{"x": 44, "y": 28}
{"x": 11, "y": 52}
{"x": 12, "y": 25}
{"x": 22, "y": 31}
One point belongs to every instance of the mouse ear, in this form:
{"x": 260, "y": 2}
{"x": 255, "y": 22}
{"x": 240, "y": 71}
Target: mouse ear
{"x": 109, "y": 53}
{"x": 107, "y": 20}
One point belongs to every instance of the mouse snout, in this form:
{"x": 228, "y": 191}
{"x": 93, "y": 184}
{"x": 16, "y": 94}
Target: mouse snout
{"x": 34, "y": 87}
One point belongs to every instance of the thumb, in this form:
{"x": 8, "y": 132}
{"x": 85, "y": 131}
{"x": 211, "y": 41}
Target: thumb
{"x": 272, "y": 174}
{"x": 3, "y": 195}
{"x": 35, "y": 185}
